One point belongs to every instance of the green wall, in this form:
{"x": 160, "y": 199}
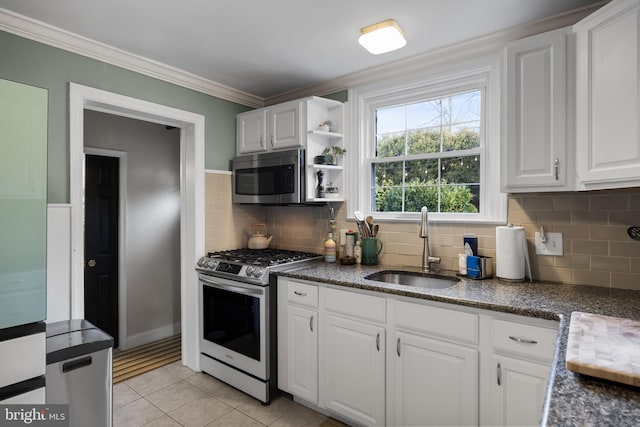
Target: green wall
{"x": 342, "y": 96}
{"x": 37, "y": 64}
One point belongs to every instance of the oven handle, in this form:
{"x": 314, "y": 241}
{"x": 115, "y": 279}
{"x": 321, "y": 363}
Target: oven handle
{"x": 231, "y": 288}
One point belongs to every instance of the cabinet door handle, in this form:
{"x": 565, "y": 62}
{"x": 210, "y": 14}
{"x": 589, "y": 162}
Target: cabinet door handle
{"x": 522, "y": 340}
{"x": 398, "y": 347}
{"x": 556, "y": 167}
{"x": 378, "y": 342}
{"x": 311, "y": 323}
{"x": 262, "y": 141}
{"x": 271, "y": 140}
{"x": 302, "y": 294}
{"x": 499, "y": 375}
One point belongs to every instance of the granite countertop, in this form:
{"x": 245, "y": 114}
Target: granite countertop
{"x": 572, "y": 399}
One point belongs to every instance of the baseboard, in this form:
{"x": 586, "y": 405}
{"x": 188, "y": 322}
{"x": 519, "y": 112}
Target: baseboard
{"x": 151, "y": 336}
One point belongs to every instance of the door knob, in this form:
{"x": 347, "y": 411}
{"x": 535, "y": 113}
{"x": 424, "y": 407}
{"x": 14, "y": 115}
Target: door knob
{"x": 92, "y": 263}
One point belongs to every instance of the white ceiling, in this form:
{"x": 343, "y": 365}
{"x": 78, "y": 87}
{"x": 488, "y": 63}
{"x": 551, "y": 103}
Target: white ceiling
{"x": 268, "y": 47}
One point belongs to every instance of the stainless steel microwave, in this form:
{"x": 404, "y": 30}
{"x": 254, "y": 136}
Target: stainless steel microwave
{"x": 269, "y": 178}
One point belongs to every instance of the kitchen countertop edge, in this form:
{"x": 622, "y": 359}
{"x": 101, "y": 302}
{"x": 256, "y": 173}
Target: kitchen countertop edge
{"x": 571, "y": 398}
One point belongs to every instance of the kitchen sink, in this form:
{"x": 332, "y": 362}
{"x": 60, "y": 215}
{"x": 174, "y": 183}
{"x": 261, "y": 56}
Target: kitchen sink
{"x": 419, "y": 280}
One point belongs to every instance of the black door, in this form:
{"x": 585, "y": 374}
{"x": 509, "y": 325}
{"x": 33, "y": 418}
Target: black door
{"x": 101, "y": 243}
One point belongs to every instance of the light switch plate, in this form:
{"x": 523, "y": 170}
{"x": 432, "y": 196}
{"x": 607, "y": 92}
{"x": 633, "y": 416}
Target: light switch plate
{"x": 553, "y": 245}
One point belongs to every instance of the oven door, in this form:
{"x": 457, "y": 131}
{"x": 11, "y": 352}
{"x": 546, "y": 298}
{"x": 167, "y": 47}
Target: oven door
{"x": 234, "y": 324}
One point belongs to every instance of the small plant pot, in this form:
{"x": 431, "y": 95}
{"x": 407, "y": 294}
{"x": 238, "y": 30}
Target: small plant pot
{"x": 321, "y": 160}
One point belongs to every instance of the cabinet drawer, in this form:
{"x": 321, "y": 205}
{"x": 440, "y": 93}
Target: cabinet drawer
{"x": 453, "y": 324}
{"x": 302, "y": 294}
{"x": 22, "y": 358}
{"x": 527, "y": 340}
{"x": 355, "y": 304}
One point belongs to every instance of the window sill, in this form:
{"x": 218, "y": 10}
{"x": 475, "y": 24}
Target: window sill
{"x": 379, "y": 217}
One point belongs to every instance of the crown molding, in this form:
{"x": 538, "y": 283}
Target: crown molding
{"x": 53, "y": 36}
{"x": 39, "y": 31}
{"x": 491, "y": 43}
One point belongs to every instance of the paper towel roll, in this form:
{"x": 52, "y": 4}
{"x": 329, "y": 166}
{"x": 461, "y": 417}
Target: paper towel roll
{"x": 512, "y": 255}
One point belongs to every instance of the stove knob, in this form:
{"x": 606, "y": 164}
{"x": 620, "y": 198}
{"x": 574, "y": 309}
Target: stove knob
{"x": 201, "y": 261}
{"x": 211, "y": 263}
{"x": 257, "y": 272}
{"x": 250, "y": 270}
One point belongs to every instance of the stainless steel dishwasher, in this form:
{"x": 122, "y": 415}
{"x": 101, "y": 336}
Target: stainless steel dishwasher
{"x": 79, "y": 371}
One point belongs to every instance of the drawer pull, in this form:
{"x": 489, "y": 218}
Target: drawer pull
{"x": 499, "y": 375}
{"x": 300, "y": 294}
{"x": 398, "y": 347}
{"x": 522, "y": 340}
{"x": 311, "y": 323}
{"x": 378, "y": 341}
{"x": 77, "y": 364}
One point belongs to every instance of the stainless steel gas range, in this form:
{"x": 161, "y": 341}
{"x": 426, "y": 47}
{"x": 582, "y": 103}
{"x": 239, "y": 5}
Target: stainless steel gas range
{"x": 238, "y": 315}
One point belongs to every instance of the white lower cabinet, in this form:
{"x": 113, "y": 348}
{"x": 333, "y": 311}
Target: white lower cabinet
{"x": 353, "y": 369}
{"x": 431, "y": 382}
{"x": 302, "y": 369}
{"x": 518, "y": 391}
{"x": 519, "y": 352}
{"x": 372, "y": 359}
{"x": 298, "y": 339}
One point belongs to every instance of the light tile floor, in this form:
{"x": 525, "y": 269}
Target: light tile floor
{"x": 175, "y": 395}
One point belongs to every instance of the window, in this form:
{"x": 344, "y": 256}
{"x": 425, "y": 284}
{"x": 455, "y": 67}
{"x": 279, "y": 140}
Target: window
{"x": 432, "y": 141}
{"x": 428, "y": 153}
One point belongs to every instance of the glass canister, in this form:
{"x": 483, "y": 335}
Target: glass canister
{"x": 350, "y": 242}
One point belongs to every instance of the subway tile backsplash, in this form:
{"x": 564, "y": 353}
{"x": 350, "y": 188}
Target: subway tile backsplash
{"x": 226, "y": 225}
{"x": 597, "y": 250}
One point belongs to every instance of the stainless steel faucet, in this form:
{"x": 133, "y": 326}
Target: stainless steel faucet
{"x": 427, "y": 259}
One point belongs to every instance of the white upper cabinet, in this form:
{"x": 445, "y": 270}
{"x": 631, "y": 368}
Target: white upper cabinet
{"x": 608, "y": 98}
{"x": 251, "y": 131}
{"x": 315, "y": 124}
{"x": 534, "y": 114}
{"x": 284, "y": 122}
{"x": 271, "y": 128}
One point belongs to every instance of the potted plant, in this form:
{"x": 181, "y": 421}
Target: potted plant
{"x": 333, "y": 153}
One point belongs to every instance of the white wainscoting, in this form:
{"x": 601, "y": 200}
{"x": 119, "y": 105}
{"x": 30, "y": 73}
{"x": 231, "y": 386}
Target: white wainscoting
{"x": 58, "y": 262}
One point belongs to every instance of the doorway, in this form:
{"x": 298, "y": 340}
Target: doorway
{"x": 101, "y": 243}
{"x": 149, "y": 224}
{"x": 191, "y": 127}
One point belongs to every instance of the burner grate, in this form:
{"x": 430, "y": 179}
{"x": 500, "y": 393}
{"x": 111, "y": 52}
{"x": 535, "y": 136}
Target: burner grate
{"x": 262, "y": 257}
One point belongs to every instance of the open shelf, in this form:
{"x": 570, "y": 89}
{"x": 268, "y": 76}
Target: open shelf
{"x": 326, "y": 134}
{"x": 327, "y": 167}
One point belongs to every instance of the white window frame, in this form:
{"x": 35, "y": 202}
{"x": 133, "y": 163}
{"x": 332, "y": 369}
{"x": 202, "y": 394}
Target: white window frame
{"x": 481, "y": 74}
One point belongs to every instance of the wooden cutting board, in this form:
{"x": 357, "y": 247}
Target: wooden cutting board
{"x": 604, "y": 347}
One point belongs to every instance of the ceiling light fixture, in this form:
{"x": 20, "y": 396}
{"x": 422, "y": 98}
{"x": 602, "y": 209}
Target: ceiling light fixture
{"x": 382, "y": 37}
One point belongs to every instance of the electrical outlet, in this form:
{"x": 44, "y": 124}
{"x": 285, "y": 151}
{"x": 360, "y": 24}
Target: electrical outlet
{"x": 343, "y": 236}
{"x": 553, "y": 245}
